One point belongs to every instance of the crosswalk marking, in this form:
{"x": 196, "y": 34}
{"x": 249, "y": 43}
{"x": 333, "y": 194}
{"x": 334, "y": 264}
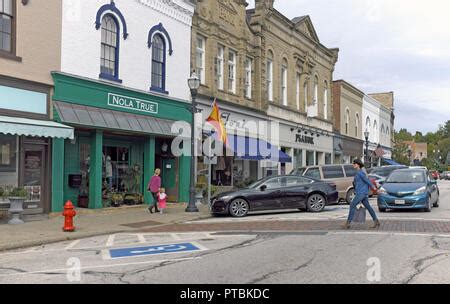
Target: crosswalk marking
{"x": 73, "y": 244}
{"x": 110, "y": 241}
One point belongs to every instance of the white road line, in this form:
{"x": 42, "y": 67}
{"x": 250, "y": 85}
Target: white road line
{"x": 73, "y": 244}
{"x": 98, "y": 266}
{"x": 141, "y": 238}
{"x": 110, "y": 241}
{"x": 175, "y": 236}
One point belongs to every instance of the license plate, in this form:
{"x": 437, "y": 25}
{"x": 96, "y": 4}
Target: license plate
{"x": 400, "y": 202}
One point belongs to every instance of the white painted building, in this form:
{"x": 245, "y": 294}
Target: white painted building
{"x": 377, "y": 120}
{"x": 371, "y": 122}
{"x": 129, "y": 61}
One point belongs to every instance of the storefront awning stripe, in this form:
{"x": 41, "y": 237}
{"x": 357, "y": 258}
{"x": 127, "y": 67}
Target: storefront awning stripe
{"x": 251, "y": 149}
{"x": 80, "y": 115}
{"x": 32, "y": 127}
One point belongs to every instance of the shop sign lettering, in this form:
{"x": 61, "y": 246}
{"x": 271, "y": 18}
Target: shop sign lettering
{"x": 124, "y": 102}
{"x": 304, "y": 139}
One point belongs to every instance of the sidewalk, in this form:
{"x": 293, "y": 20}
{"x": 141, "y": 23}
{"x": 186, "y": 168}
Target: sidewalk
{"x": 92, "y": 223}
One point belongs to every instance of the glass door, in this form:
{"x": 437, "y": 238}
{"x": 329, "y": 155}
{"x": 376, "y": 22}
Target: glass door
{"x": 33, "y": 177}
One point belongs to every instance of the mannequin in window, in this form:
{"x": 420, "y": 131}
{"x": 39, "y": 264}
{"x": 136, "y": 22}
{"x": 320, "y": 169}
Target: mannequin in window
{"x": 109, "y": 172}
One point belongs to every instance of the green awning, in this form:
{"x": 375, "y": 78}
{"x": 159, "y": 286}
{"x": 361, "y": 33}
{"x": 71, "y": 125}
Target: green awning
{"x": 32, "y": 127}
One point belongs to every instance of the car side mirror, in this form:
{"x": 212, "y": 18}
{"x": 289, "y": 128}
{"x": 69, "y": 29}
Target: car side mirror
{"x": 263, "y": 188}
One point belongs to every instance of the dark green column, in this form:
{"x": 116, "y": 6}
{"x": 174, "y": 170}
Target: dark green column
{"x": 149, "y": 166}
{"x": 184, "y": 179}
{"x": 57, "y": 175}
{"x": 95, "y": 170}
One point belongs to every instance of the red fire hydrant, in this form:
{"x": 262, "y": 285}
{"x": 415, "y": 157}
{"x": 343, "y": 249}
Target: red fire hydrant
{"x": 68, "y": 214}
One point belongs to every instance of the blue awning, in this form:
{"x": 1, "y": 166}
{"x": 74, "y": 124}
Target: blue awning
{"x": 256, "y": 149}
{"x": 391, "y": 162}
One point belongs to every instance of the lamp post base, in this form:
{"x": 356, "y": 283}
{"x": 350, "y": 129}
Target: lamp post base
{"x": 192, "y": 209}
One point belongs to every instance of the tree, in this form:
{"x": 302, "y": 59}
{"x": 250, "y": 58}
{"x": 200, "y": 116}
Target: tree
{"x": 403, "y": 135}
{"x": 400, "y": 153}
{"x": 418, "y": 138}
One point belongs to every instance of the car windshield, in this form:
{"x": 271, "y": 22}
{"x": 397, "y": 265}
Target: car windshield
{"x": 255, "y": 184}
{"x": 406, "y": 177}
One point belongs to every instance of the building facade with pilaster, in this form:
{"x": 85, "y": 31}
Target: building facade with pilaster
{"x": 122, "y": 84}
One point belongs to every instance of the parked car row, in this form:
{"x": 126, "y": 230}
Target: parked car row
{"x": 313, "y": 188}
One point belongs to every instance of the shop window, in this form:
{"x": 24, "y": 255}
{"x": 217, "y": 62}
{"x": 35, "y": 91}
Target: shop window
{"x": 298, "y": 156}
{"x": 310, "y": 158}
{"x": 328, "y": 159}
{"x": 116, "y": 165}
{"x": 332, "y": 172}
{"x": 8, "y": 161}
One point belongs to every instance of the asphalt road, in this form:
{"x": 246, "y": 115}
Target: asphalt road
{"x": 367, "y": 257}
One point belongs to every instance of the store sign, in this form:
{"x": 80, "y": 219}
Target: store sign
{"x": 124, "y": 102}
{"x": 304, "y": 139}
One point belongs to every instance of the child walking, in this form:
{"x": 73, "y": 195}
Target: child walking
{"x": 162, "y": 200}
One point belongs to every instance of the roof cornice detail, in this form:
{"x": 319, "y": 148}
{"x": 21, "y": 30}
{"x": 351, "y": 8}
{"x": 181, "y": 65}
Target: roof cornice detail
{"x": 173, "y": 9}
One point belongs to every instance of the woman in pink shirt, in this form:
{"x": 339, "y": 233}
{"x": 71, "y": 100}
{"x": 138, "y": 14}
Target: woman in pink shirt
{"x": 153, "y": 186}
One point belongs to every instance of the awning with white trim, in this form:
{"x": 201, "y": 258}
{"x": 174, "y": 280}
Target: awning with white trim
{"x": 33, "y": 127}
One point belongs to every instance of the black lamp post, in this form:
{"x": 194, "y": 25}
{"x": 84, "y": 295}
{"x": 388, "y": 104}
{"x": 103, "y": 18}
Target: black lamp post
{"x": 366, "y": 135}
{"x": 194, "y": 84}
{"x": 409, "y": 155}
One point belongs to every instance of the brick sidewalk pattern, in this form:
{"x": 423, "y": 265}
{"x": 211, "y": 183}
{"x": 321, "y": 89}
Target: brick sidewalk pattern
{"x": 412, "y": 226}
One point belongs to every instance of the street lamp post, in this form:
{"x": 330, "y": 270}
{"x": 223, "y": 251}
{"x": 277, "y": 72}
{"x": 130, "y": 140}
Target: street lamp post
{"x": 366, "y": 135}
{"x": 194, "y": 84}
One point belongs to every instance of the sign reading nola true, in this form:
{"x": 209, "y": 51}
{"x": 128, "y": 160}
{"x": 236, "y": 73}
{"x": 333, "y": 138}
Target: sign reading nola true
{"x": 130, "y": 103}
{"x": 304, "y": 139}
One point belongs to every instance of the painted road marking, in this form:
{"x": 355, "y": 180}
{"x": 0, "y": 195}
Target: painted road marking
{"x": 154, "y": 250}
{"x": 141, "y": 238}
{"x": 73, "y": 244}
{"x": 110, "y": 241}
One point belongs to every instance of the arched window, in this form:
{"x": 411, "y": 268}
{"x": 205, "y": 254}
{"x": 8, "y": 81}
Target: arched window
{"x": 357, "y": 125}
{"x": 284, "y": 82}
{"x": 375, "y": 131}
{"x": 269, "y": 76}
{"x": 368, "y": 123}
{"x": 347, "y": 121}
{"x": 109, "y": 58}
{"x": 158, "y": 64}
{"x": 316, "y": 92}
{"x": 305, "y": 98}
{"x": 325, "y": 101}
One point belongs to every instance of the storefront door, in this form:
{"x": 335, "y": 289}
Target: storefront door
{"x": 168, "y": 178}
{"x": 34, "y": 178}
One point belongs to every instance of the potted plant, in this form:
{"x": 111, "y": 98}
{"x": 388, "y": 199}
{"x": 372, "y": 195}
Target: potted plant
{"x": 16, "y": 197}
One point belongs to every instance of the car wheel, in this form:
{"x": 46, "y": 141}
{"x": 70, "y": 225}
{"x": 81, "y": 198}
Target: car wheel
{"x": 382, "y": 210}
{"x": 316, "y": 203}
{"x": 239, "y": 208}
{"x": 350, "y": 196}
{"x": 436, "y": 205}
{"x": 429, "y": 206}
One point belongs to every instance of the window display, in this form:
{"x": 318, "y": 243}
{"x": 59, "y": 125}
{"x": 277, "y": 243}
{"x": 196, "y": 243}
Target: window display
{"x": 8, "y": 160}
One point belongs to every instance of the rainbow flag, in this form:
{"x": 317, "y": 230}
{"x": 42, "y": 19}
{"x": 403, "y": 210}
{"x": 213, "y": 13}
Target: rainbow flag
{"x": 216, "y": 121}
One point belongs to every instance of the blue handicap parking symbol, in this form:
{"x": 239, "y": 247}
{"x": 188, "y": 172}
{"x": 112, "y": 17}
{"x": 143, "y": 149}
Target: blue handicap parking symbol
{"x": 152, "y": 250}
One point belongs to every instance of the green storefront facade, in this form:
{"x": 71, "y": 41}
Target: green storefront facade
{"x": 121, "y": 136}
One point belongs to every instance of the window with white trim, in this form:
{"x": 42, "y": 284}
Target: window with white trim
{"x": 325, "y": 101}
{"x": 297, "y": 91}
{"x": 269, "y": 79}
{"x": 248, "y": 78}
{"x": 200, "y": 58}
{"x": 357, "y": 125}
{"x": 305, "y": 97}
{"x": 6, "y": 25}
{"x": 316, "y": 93}
{"x": 284, "y": 97}
{"x": 347, "y": 121}
{"x": 232, "y": 72}
{"x": 219, "y": 67}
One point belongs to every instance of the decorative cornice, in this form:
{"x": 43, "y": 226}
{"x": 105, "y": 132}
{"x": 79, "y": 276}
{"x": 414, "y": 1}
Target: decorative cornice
{"x": 172, "y": 9}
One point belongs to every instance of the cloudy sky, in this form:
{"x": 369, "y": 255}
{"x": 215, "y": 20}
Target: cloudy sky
{"x": 388, "y": 45}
